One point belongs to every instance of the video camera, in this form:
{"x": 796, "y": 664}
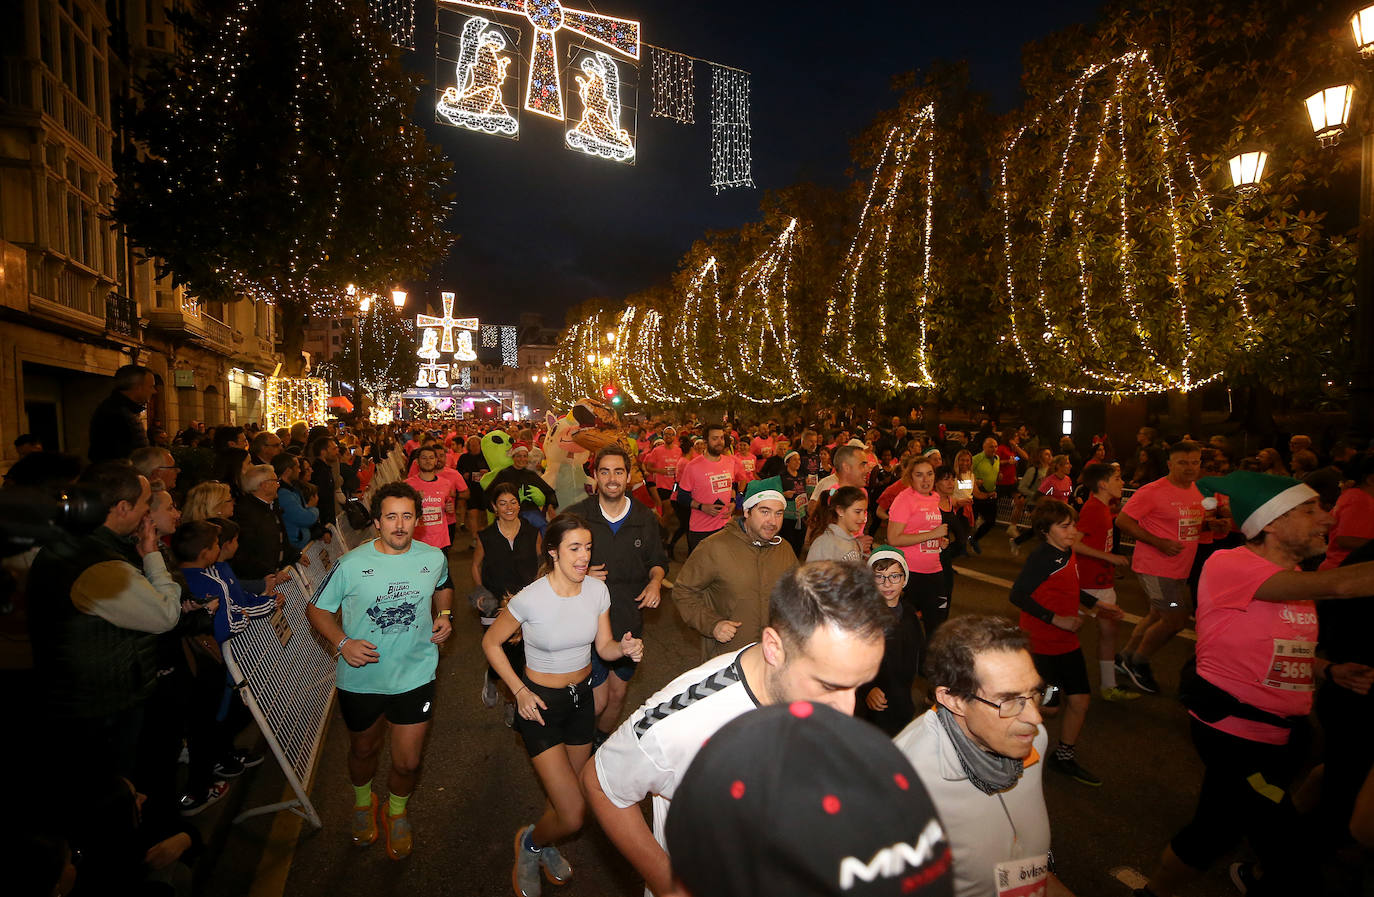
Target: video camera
{"x": 31, "y": 517}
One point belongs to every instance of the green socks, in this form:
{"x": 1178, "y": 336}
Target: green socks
{"x": 362, "y": 794}
{"x": 397, "y": 804}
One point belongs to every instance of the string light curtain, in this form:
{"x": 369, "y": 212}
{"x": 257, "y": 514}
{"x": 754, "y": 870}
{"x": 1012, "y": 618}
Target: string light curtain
{"x": 672, "y": 83}
{"x": 398, "y": 18}
{"x": 1105, "y": 298}
{"x": 731, "y": 161}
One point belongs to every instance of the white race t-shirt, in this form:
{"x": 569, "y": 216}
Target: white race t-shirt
{"x": 651, "y": 751}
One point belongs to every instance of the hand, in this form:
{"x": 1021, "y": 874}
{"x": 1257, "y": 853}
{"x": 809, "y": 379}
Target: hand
{"x": 1106, "y": 611}
{"x": 528, "y": 705}
{"x": 211, "y": 606}
{"x": 1170, "y": 547}
{"x": 877, "y": 700}
{"x": 443, "y": 628}
{"x": 650, "y": 596}
{"x": 165, "y": 853}
{"x": 632, "y": 647}
{"x": 283, "y": 575}
{"x": 146, "y": 538}
{"x": 725, "y": 630}
{"x": 269, "y": 583}
{"x": 1120, "y": 560}
{"x": 865, "y": 543}
{"x": 597, "y": 571}
{"x": 1069, "y": 624}
{"x": 313, "y": 502}
{"x": 1355, "y": 676}
{"x": 360, "y": 652}
{"x": 939, "y": 532}
{"x": 189, "y": 607}
{"x": 328, "y": 535}
{"x": 280, "y": 600}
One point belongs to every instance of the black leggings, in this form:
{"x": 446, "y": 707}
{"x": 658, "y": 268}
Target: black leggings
{"x": 987, "y": 509}
{"x": 928, "y": 595}
{"x": 1231, "y": 806}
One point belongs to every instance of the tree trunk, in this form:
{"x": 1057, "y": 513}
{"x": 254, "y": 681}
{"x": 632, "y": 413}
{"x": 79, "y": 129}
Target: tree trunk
{"x": 292, "y": 340}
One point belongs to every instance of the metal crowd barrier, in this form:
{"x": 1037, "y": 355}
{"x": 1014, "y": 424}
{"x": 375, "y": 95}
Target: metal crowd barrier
{"x": 1006, "y": 509}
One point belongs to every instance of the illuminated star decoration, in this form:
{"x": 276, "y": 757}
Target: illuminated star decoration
{"x": 599, "y": 132}
{"x": 448, "y": 323}
{"x": 543, "y": 90}
{"x": 476, "y": 102}
{"x": 1127, "y": 198}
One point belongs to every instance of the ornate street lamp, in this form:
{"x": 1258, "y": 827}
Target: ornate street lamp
{"x": 1362, "y": 23}
{"x": 1329, "y": 111}
{"x": 398, "y": 298}
{"x": 1247, "y": 169}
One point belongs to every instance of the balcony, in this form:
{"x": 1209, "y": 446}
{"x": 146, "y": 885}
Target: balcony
{"x": 189, "y": 322}
{"x": 121, "y": 316}
{"x": 28, "y": 84}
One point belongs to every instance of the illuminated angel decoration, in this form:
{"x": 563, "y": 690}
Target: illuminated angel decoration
{"x": 599, "y": 132}
{"x": 476, "y": 103}
{"x": 433, "y": 372}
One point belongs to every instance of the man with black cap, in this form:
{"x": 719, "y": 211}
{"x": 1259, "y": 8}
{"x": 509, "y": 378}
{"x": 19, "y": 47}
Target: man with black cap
{"x": 803, "y": 801}
{"x": 722, "y": 590}
{"x": 978, "y": 753}
{"x": 823, "y": 640}
{"x": 1252, "y": 689}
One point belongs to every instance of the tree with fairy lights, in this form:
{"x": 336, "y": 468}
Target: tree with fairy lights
{"x": 274, "y": 157}
{"x": 386, "y": 336}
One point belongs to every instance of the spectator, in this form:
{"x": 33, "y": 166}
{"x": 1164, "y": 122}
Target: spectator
{"x": 117, "y": 424}
{"x": 208, "y": 499}
{"x": 265, "y": 446}
{"x": 27, "y": 443}
{"x": 297, "y": 442}
{"x": 227, "y": 437}
{"x": 324, "y": 456}
{"x": 1270, "y": 462}
{"x": 105, "y": 595}
{"x": 157, "y": 435}
{"x": 264, "y": 548}
{"x": 156, "y": 464}
{"x": 300, "y": 512}
{"x": 1304, "y": 462}
{"x": 229, "y": 466}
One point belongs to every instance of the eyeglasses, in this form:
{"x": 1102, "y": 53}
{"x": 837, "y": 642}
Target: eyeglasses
{"x": 893, "y": 578}
{"x": 1044, "y": 696}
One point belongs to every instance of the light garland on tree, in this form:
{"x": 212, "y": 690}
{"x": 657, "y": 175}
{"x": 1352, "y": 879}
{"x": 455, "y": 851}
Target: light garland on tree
{"x": 293, "y": 399}
{"x": 644, "y": 358}
{"x": 672, "y": 84}
{"x": 1168, "y": 362}
{"x": 865, "y": 287}
{"x": 761, "y": 306}
{"x": 397, "y": 17}
{"x": 702, "y": 304}
{"x": 730, "y": 137}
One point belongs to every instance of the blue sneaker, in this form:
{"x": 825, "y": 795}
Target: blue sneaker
{"x": 556, "y": 869}
{"x": 525, "y": 875}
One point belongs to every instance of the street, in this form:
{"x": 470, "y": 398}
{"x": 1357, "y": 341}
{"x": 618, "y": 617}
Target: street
{"x": 477, "y": 786}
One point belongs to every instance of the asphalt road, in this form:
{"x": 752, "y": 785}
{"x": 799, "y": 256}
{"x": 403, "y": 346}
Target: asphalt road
{"x": 477, "y": 786}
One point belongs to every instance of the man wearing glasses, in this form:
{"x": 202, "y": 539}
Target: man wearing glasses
{"x": 265, "y": 446}
{"x": 978, "y": 753}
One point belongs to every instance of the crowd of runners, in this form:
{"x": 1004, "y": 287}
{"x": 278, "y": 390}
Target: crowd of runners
{"x": 849, "y": 728}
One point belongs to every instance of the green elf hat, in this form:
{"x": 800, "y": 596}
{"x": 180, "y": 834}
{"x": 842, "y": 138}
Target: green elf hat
{"x": 763, "y": 490}
{"x": 888, "y": 553}
{"x": 1257, "y": 499}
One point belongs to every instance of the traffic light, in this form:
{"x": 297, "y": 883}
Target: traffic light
{"x": 610, "y": 392}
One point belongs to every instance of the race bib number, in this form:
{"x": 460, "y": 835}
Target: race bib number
{"x": 433, "y": 515}
{"x": 720, "y": 483}
{"x": 1291, "y": 666}
{"x": 1189, "y": 524}
{"x": 812, "y": 479}
{"x": 748, "y": 464}
{"x": 1026, "y": 877}
{"x": 671, "y": 467}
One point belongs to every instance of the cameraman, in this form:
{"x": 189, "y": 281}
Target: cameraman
{"x": 95, "y": 603}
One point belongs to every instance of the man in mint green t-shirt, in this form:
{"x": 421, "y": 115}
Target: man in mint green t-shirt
{"x": 392, "y": 597}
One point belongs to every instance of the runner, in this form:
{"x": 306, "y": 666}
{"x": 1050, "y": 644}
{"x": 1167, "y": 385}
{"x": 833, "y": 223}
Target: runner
{"x": 824, "y": 639}
{"x": 505, "y": 561}
{"x": 1097, "y": 565}
{"x": 886, "y": 701}
{"x": 916, "y": 527}
{"x": 707, "y": 483}
{"x": 438, "y": 493}
{"x": 561, "y": 616}
{"x": 395, "y": 597}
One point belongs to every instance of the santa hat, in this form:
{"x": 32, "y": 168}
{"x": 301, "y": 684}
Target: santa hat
{"x": 1257, "y": 499}
{"x": 888, "y": 553}
{"x": 763, "y": 490}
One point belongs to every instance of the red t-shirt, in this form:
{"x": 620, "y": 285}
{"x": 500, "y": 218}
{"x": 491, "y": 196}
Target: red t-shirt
{"x": 709, "y": 481}
{"x": 1167, "y": 512}
{"x": 1353, "y": 516}
{"x": 890, "y": 495}
{"x": 664, "y": 457}
{"x": 432, "y": 527}
{"x": 1057, "y": 487}
{"x": 1051, "y": 576}
{"x": 917, "y": 513}
{"x": 1259, "y": 651}
{"x": 745, "y": 466}
{"x": 1095, "y": 523}
{"x": 1006, "y": 473}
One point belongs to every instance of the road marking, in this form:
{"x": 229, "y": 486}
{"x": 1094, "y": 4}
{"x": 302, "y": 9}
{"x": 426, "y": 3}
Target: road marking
{"x": 1007, "y": 584}
{"x": 1129, "y": 876}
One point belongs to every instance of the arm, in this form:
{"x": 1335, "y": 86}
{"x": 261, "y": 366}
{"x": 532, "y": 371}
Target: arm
{"x": 608, "y": 647}
{"x": 1105, "y": 556}
{"x": 1131, "y": 527}
{"x": 903, "y": 539}
{"x": 356, "y": 652}
{"x": 1350, "y": 543}
{"x": 124, "y": 597}
{"x": 503, "y": 628}
{"x": 690, "y": 593}
{"x": 478, "y": 555}
{"x": 628, "y": 831}
{"x": 1354, "y": 581}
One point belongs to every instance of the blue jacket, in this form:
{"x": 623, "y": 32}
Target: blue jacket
{"x": 236, "y": 607}
{"x": 297, "y": 517}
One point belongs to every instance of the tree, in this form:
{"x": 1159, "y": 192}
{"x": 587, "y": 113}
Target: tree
{"x": 389, "y": 363}
{"x": 275, "y": 157}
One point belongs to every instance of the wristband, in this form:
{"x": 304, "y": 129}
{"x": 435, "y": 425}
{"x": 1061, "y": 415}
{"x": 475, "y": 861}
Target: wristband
{"x": 522, "y": 688}
{"x": 445, "y": 613}
{"x": 343, "y": 641}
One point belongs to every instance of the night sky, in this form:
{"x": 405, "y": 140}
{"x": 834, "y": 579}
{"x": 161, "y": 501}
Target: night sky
{"x": 541, "y": 228}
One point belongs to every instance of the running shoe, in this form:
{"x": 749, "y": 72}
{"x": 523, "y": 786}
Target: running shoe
{"x": 1071, "y": 769}
{"x": 525, "y": 875}
{"x": 1015, "y": 549}
{"x": 193, "y": 804}
{"x": 1120, "y": 664}
{"x": 1113, "y": 693}
{"x": 490, "y": 696}
{"x": 248, "y": 758}
{"x": 1140, "y": 674}
{"x": 229, "y": 768}
{"x": 973, "y": 546}
{"x": 1243, "y": 876}
{"x": 1012, "y": 531}
{"x": 365, "y": 823}
{"x": 510, "y": 716}
{"x": 399, "y": 836}
{"x": 556, "y": 869}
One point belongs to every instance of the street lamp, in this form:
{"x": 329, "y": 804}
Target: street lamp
{"x": 398, "y": 298}
{"x": 1247, "y": 169}
{"x": 1329, "y": 110}
{"x": 610, "y": 336}
{"x": 591, "y": 358}
{"x": 1362, "y": 23}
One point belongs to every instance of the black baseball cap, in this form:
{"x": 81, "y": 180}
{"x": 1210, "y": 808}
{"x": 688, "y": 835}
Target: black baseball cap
{"x": 800, "y": 800}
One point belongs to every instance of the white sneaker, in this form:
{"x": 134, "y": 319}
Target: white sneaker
{"x": 490, "y": 696}
{"x": 1015, "y": 549}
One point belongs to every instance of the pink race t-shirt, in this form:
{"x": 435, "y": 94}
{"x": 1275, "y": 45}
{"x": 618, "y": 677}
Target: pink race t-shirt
{"x": 1354, "y": 517}
{"x": 745, "y": 466}
{"x": 432, "y": 527}
{"x": 665, "y": 458}
{"x": 1259, "y": 651}
{"x": 1167, "y": 512}
{"x": 917, "y": 513}
{"x": 709, "y": 481}
{"x": 759, "y": 445}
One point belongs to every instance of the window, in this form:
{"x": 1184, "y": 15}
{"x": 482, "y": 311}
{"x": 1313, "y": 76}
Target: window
{"x": 157, "y": 39}
{"x": 334, "y": 340}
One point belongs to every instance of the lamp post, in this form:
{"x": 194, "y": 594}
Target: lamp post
{"x": 364, "y": 303}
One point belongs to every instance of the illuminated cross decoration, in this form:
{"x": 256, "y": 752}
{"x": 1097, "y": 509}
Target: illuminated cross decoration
{"x": 447, "y": 324}
{"x": 543, "y": 91}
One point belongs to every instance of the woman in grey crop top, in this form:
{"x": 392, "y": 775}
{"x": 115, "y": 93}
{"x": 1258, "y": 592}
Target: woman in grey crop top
{"x": 561, "y": 616}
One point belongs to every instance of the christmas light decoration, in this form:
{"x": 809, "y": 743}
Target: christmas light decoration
{"x": 730, "y": 137}
{"x": 475, "y": 102}
{"x": 462, "y": 376}
{"x": 645, "y": 361}
{"x": 448, "y": 323}
{"x": 433, "y": 372}
{"x": 599, "y": 133}
{"x": 760, "y": 308}
{"x": 902, "y": 189}
{"x": 379, "y": 414}
{"x": 293, "y": 399}
{"x": 1097, "y": 224}
{"x": 510, "y": 348}
{"x": 543, "y": 92}
{"x": 671, "y": 80}
{"x": 702, "y": 304}
{"x": 397, "y": 17}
